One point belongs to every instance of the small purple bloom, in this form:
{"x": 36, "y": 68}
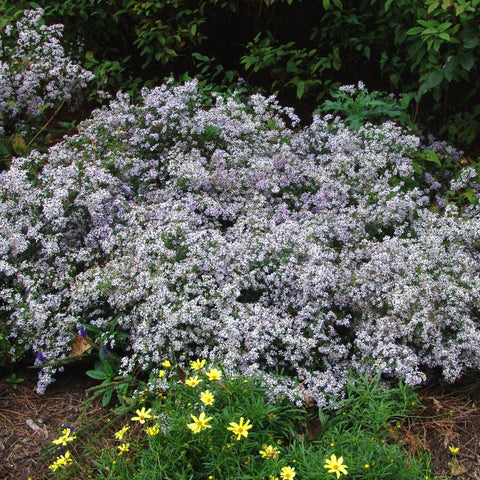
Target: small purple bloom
{"x": 40, "y": 358}
{"x": 82, "y": 332}
{"x": 104, "y": 351}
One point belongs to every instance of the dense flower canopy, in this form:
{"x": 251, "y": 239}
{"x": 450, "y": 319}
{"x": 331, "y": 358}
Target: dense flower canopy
{"x": 226, "y": 231}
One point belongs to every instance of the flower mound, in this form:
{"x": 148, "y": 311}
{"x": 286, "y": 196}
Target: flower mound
{"x": 220, "y": 232}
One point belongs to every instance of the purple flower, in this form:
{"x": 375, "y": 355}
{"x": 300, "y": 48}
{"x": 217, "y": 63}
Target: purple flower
{"x": 81, "y": 331}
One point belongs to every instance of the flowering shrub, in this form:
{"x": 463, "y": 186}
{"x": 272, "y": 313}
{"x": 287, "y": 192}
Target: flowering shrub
{"x": 35, "y": 73}
{"x": 171, "y": 227}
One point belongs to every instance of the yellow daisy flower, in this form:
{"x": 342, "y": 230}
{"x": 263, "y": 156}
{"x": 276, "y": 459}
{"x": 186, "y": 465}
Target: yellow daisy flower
{"x": 287, "y": 473}
{"x": 199, "y": 423}
{"x": 207, "y": 397}
{"x": 240, "y": 429}
{"x": 142, "y": 415}
{"x": 121, "y": 433}
{"x": 335, "y": 465}
{"x": 214, "y": 374}
{"x": 269, "y": 451}
{"x": 193, "y": 381}
{"x": 197, "y": 364}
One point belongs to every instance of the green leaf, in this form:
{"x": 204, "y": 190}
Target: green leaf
{"x": 417, "y": 168}
{"x": 433, "y": 79}
{"x": 431, "y": 156}
{"x": 326, "y": 4}
{"x": 300, "y": 89}
{"x": 107, "y": 396}
{"x": 467, "y": 61}
{"x": 96, "y": 374}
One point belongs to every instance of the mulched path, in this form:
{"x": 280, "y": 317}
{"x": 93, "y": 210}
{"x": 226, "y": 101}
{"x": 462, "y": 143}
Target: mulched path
{"x": 29, "y": 422}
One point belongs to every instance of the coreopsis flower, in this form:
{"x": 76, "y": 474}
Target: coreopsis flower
{"x": 64, "y": 459}
{"x": 121, "y": 433}
{"x": 207, "y": 397}
{"x": 153, "y": 430}
{"x": 166, "y": 364}
{"x": 142, "y": 415}
{"x": 197, "y": 364}
{"x": 123, "y": 448}
{"x": 335, "y": 465}
{"x": 199, "y": 423}
{"x": 214, "y": 374}
{"x": 287, "y": 473}
{"x": 193, "y": 381}
{"x": 454, "y": 450}
{"x": 161, "y": 373}
{"x": 269, "y": 451}
{"x": 240, "y": 429}
{"x": 65, "y": 438}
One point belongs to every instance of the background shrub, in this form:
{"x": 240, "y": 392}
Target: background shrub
{"x": 216, "y": 229}
{"x": 297, "y": 49}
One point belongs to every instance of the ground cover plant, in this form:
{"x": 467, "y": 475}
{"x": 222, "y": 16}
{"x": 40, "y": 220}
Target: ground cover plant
{"x": 183, "y": 227}
{"x": 195, "y": 422}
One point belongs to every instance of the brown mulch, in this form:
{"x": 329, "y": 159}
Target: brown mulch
{"x": 29, "y": 422}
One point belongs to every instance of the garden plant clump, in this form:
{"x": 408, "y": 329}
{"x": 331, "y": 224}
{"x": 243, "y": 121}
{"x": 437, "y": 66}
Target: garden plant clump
{"x": 36, "y": 74}
{"x": 185, "y": 227}
{"x": 203, "y": 424}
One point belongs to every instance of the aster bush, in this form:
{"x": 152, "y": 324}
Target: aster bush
{"x": 221, "y": 229}
{"x": 36, "y": 74}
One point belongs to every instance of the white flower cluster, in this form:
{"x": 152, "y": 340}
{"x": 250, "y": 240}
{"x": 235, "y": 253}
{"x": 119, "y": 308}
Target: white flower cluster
{"x": 221, "y": 232}
{"x": 35, "y": 72}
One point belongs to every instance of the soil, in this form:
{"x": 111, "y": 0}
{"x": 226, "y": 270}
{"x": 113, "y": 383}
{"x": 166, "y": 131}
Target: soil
{"x": 29, "y": 422}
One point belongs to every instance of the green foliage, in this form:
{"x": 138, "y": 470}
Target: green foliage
{"x": 357, "y": 106}
{"x": 186, "y": 424}
{"x": 14, "y": 381}
{"x": 427, "y": 50}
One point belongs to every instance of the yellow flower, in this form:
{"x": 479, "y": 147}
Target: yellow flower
{"x": 166, "y": 364}
{"x": 64, "y": 459}
{"x": 269, "y": 452}
{"x": 153, "y": 430}
{"x": 271, "y": 477}
{"x": 287, "y": 473}
{"x": 161, "y": 373}
{"x": 240, "y": 429}
{"x": 142, "y": 415}
{"x": 121, "y": 433}
{"x": 335, "y": 465}
{"x": 214, "y": 374}
{"x": 199, "y": 423}
{"x": 123, "y": 448}
{"x": 61, "y": 461}
{"x": 207, "y": 397}
{"x": 198, "y": 364}
{"x": 454, "y": 450}
{"x": 193, "y": 381}
{"x": 65, "y": 438}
